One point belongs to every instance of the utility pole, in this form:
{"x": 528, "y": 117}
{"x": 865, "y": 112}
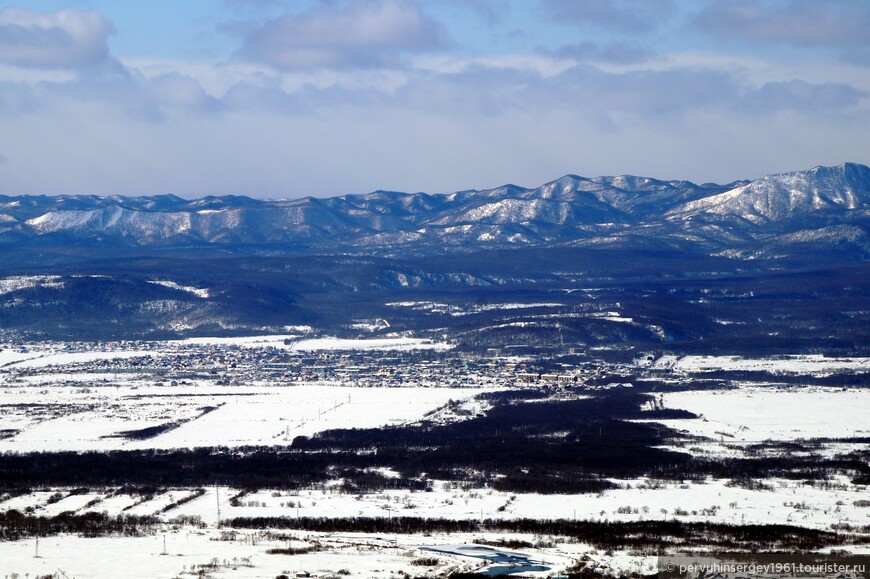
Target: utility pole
{"x": 36, "y": 554}
{"x": 217, "y": 499}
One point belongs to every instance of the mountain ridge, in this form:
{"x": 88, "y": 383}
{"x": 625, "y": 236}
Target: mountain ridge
{"x": 776, "y": 265}
{"x": 741, "y": 217}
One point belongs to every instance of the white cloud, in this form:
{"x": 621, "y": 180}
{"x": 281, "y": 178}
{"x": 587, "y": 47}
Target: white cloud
{"x": 618, "y": 53}
{"x": 623, "y": 15}
{"x": 178, "y": 90}
{"x": 793, "y": 22}
{"x": 363, "y": 34}
{"x": 797, "y": 95}
{"x": 65, "y": 39}
{"x": 92, "y": 147}
{"x": 543, "y": 66}
{"x": 364, "y": 86}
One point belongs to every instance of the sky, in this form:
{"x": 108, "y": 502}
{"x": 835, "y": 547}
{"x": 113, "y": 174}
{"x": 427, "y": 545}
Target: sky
{"x": 290, "y": 98}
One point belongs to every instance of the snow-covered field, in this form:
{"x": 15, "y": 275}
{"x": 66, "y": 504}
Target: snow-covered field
{"x": 65, "y": 418}
{"x": 41, "y": 360}
{"x": 298, "y": 342}
{"x": 242, "y": 554}
{"x": 173, "y": 552}
{"x": 320, "y": 344}
{"x": 784, "y": 502}
{"x": 276, "y": 340}
{"x": 749, "y": 415}
{"x": 805, "y": 364}
{"x": 56, "y": 354}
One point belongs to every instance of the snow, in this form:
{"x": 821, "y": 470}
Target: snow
{"x": 128, "y": 557}
{"x": 781, "y": 501}
{"x": 755, "y": 414}
{"x": 514, "y": 306}
{"x": 198, "y": 292}
{"x": 11, "y": 284}
{"x": 370, "y": 325}
{"x": 617, "y": 319}
{"x": 63, "y": 358}
{"x": 464, "y": 310}
{"x": 293, "y": 342}
{"x": 76, "y": 419}
{"x": 635, "y": 500}
{"x": 241, "y": 554}
{"x": 499, "y": 558}
{"x": 786, "y": 502}
{"x": 780, "y": 196}
{"x": 10, "y": 356}
{"x": 68, "y": 503}
{"x": 51, "y": 416}
{"x": 323, "y": 344}
{"x": 804, "y": 364}
{"x": 276, "y": 340}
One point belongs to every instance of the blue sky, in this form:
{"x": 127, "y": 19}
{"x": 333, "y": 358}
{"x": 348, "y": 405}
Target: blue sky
{"x": 289, "y": 98}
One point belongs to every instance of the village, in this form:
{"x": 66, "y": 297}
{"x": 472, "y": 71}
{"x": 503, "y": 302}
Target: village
{"x": 280, "y": 362}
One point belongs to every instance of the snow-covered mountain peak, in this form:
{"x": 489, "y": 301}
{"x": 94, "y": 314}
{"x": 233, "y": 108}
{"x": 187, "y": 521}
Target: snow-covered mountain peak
{"x": 622, "y": 210}
{"x": 789, "y": 195}
{"x": 561, "y": 187}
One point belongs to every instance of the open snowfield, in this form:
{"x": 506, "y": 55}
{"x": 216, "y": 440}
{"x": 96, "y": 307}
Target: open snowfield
{"x": 780, "y": 502}
{"x": 64, "y": 418}
{"x": 748, "y": 415}
{"x": 297, "y": 342}
{"x": 785, "y": 502}
{"x": 244, "y": 555}
{"x": 41, "y": 360}
{"x": 805, "y": 364}
{"x": 400, "y": 344}
{"x": 9, "y": 356}
{"x": 244, "y": 341}
{"x": 53, "y": 356}
{"x": 43, "y": 355}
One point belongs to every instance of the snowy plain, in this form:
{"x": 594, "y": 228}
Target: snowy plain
{"x": 57, "y": 398}
{"x": 91, "y": 418}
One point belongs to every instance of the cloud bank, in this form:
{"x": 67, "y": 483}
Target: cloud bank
{"x": 65, "y": 39}
{"x": 334, "y": 97}
{"x": 795, "y": 22}
{"x": 359, "y": 35}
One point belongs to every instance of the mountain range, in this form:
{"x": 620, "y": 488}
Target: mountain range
{"x": 773, "y": 265}
{"x": 824, "y": 208}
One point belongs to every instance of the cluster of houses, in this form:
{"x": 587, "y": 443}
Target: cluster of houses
{"x": 173, "y": 363}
